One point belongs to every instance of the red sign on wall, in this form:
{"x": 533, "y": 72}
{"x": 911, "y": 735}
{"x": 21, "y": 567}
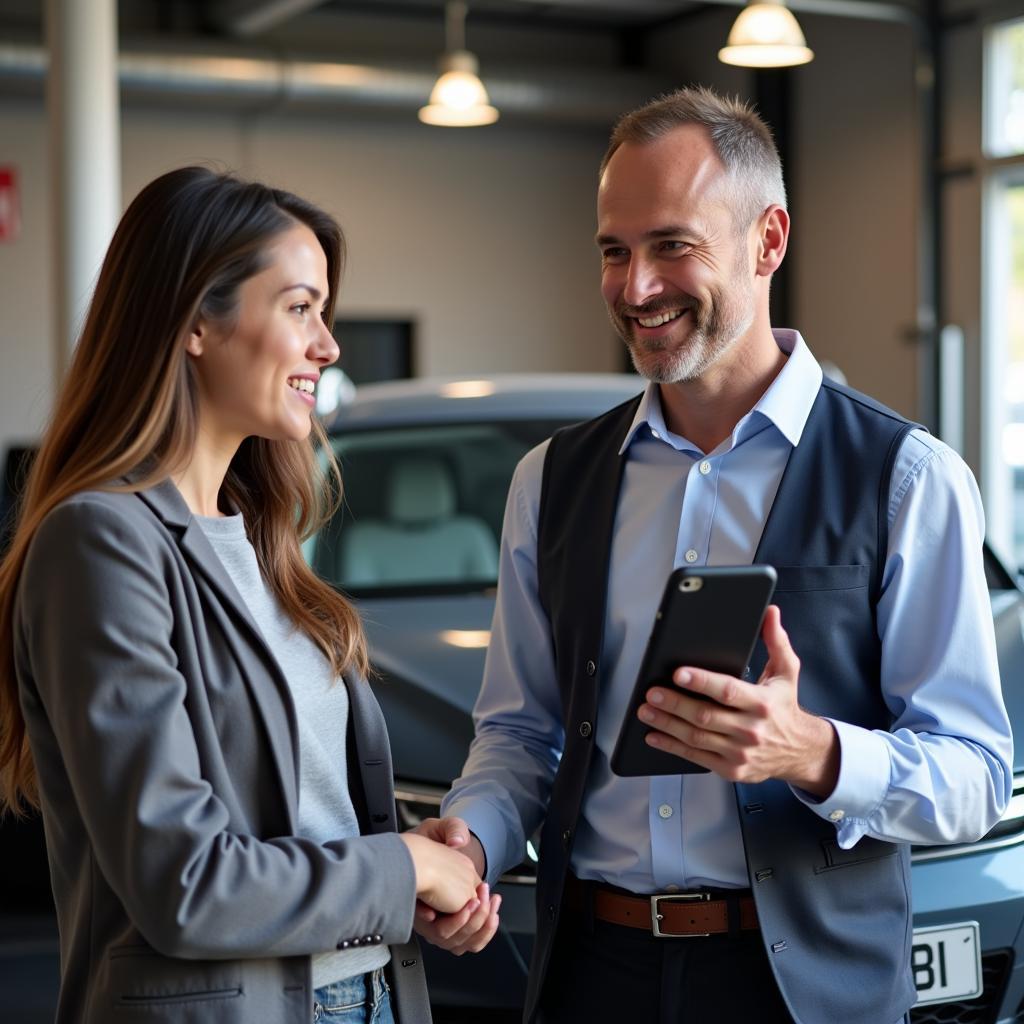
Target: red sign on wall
{"x": 10, "y": 212}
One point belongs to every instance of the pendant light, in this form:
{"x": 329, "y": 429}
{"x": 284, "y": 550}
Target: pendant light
{"x": 766, "y": 35}
{"x": 458, "y": 99}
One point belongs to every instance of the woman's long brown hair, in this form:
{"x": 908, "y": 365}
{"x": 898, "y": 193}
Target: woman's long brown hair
{"x": 128, "y": 406}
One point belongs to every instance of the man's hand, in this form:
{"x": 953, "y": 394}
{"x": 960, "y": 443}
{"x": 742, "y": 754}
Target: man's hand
{"x": 751, "y": 733}
{"x": 470, "y": 929}
{"x": 454, "y": 832}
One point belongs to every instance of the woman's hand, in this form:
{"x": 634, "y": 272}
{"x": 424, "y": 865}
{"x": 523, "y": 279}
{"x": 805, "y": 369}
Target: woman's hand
{"x": 467, "y": 931}
{"x": 471, "y": 927}
{"x": 446, "y": 880}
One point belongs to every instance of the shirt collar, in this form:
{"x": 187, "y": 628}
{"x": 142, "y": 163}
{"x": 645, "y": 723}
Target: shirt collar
{"x": 787, "y": 402}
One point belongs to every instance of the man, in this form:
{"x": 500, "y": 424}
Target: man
{"x": 877, "y": 721}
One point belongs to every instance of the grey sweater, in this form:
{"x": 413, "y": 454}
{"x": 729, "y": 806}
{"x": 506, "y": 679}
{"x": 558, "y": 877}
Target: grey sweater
{"x": 321, "y": 705}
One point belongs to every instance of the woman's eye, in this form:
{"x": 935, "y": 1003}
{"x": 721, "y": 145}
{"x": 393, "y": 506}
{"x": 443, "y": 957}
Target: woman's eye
{"x": 302, "y": 308}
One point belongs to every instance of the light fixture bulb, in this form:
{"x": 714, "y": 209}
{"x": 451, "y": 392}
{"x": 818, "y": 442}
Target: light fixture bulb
{"x": 766, "y": 35}
{"x": 458, "y": 99}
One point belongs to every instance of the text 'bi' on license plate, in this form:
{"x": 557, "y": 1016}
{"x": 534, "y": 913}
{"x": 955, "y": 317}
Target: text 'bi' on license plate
{"x": 946, "y": 961}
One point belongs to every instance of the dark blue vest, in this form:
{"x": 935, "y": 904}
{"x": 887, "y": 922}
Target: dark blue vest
{"x": 836, "y": 923}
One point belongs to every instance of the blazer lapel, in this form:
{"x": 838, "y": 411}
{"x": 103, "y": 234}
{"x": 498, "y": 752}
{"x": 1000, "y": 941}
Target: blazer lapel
{"x": 373, "y": 755}
{"x": 277, "y": 707}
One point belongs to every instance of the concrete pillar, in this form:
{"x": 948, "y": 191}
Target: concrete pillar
{"x": 85, "y": 154}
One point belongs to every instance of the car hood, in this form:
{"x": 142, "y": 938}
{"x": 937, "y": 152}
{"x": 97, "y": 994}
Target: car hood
{"x": 427, "y": 683}
{"x": 1008, "y": 618}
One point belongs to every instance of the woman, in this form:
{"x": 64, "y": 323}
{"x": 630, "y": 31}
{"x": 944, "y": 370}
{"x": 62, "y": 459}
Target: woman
{"x": 179, "y": 693}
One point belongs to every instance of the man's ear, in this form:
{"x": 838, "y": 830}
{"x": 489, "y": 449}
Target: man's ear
{"x": 773, "y": 237}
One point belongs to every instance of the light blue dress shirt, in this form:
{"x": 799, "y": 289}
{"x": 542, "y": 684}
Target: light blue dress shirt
{"x": 942, "y": 774}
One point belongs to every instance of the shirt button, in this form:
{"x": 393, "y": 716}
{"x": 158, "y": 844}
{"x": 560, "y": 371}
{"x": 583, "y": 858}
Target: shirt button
{"x": 654, "y": 433}
{"x": 705, "y": 467}
{"x": 671, "y": 888}
{"x": 665, "y": 811}
{"x": 836, "y": 815}
{"x": 691, "y": 556}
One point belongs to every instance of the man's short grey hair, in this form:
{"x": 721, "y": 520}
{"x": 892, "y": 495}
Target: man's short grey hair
{"x": 741, "y": 139}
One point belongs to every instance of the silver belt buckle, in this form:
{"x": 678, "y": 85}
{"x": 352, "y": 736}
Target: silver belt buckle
{"x": 678, "y": 897}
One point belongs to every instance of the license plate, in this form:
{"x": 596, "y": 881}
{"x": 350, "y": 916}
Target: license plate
{"x": 946, "y": 961}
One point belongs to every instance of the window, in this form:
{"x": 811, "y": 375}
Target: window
{"x": 1003, "y": 275}
{"x": 423, "y": 506}
{"x": 1004, "y": 89}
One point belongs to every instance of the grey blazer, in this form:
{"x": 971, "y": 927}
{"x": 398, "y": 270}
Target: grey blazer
{"x": 165, "y": 741}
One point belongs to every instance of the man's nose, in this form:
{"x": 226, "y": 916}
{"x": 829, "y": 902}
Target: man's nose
{"x": 642, "y": 282}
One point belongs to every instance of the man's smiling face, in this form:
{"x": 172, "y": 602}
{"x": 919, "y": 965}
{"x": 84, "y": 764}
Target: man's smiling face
{"x": 676, "y": 271}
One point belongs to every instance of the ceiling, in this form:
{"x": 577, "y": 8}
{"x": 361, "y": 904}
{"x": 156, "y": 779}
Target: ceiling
{"x": 573, "y": 58}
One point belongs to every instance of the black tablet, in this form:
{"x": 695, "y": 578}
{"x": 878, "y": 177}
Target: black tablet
{"x": 709, "y": 618}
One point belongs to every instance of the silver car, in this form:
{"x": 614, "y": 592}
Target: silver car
{"x": 426, "y": 466}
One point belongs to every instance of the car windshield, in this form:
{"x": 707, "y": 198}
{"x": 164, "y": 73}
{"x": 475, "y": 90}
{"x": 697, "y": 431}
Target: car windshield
{"x": 423, "y": 506}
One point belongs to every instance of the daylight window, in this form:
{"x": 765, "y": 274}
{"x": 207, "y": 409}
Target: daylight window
{"x": 1003, "y": 388}
{"x": 1004, "y": 89}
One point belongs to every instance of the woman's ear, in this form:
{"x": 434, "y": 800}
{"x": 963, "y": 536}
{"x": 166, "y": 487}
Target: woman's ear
{"x": 196, "y": 339}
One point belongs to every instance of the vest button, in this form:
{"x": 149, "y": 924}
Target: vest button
{"x": 585, "y": 729}
{"x": 551, "y": 911}
{"x": 591, "y": 668}
{"x": 566, "y": 836}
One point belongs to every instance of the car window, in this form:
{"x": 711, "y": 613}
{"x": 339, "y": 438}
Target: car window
{"x": 422, "y": 505}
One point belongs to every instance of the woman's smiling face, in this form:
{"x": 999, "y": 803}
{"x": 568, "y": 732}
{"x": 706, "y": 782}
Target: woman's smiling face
{"x": 256, "y": 376}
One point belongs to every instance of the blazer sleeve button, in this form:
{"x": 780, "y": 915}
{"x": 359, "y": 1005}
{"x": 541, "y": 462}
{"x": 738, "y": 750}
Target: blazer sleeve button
{"x": 344, "y": 944}
{"x": 377, "y": 938}
{"x": 357, "y": 942}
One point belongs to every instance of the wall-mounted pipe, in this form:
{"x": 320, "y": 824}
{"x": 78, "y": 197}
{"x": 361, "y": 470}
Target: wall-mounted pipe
{"x": 270, "y": 82}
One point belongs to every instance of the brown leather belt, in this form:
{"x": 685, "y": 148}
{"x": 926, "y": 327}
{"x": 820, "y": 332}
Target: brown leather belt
{"x": 665, "y": 914}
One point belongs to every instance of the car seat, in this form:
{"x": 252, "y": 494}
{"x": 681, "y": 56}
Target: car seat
{"x": 423, "y": 539}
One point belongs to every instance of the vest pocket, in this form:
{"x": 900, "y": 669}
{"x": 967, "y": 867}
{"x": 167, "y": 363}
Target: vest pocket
{"x": 867, "y": 849}
{"x": 803, "y": 578}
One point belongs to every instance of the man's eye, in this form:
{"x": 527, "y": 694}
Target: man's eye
{"x": 614, "y": 254}
{"x": 672, "y": 245}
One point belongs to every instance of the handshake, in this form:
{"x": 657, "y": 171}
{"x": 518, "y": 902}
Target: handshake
{"x": 454, "y": 907}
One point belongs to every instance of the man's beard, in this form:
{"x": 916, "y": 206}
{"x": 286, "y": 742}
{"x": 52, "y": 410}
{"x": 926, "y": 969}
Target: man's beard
{"x": 713, "y": 329}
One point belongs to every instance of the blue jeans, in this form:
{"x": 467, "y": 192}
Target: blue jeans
{"x": 363, "y": 999}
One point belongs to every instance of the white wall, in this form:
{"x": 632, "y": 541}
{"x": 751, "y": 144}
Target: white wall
{"x": 26, "y": 319}
{"x": 856, "y": 187}
{"x": 483, "y": 237}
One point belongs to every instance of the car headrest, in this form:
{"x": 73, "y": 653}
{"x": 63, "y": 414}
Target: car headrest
{"x": 419, "y": 491}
